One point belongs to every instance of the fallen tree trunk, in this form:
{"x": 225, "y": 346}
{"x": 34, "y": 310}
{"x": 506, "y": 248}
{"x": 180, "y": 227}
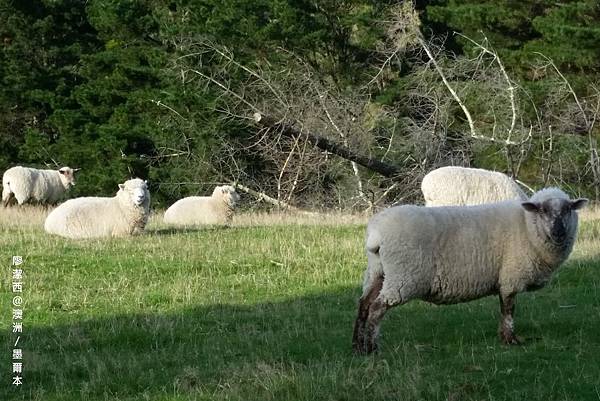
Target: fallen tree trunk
{"x": 387, "y": 170}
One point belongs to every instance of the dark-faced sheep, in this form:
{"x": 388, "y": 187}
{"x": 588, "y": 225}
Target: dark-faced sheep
{"x": 447, "y": 255}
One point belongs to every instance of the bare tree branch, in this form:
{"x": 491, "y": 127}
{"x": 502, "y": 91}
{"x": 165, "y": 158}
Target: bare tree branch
{"x": 323, "y": 143}
{"x": 264, "y": 197}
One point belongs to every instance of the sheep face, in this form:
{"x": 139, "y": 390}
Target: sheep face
{"x": 228, "y": 194}
{"x": 134, "y": 192}
{"x": 67, "y": 176}
{"x": 555, "y": 218}
{"x": 234, "y": 197}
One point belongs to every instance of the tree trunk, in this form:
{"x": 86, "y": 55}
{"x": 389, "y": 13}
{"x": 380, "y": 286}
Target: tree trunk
{"x": 387, "y": 170}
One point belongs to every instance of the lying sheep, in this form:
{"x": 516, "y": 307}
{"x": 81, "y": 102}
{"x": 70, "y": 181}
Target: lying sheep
{"x": 447, "y": 255}
{"x": 195, "y": 210}
{"x": 455, "y": 186}
{"x": 90, "y": 217}
{"x": 32, "y": 185}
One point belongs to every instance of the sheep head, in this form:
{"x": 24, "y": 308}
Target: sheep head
{"x": 554, "y": 216}
{"x": 134, "y": 193}
{"x": 67, "y": 176}
{"x": 228, "y": 194}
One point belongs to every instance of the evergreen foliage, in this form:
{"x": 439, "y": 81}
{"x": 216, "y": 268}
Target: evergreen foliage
{"x": 93, "y": 85}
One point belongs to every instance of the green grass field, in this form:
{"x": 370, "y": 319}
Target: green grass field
{"x": 264, "y": 310}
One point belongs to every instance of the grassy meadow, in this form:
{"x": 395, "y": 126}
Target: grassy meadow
{"x": 263, "y": 310}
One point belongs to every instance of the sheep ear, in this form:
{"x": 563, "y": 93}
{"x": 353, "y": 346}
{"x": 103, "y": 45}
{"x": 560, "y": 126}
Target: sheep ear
{"x": 531, "y": 206}
{"x": 76, "y": 170}
{"x": 578, "y": 203}
{"x": 121, "y": 186}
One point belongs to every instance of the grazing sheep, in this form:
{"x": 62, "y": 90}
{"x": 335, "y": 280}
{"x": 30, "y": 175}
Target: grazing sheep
{"x": 27, "y": 184}
{"x": 456, "y": 186}
{"x": 447, "y": 255}
{"x": 90, "y": 217}
{"x": 196, "y": 210}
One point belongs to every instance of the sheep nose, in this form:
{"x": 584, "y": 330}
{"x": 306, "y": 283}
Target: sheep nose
{"x": 559, "y": 231}
{"x": 138, "y": 198}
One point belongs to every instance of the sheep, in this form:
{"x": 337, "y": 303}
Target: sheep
{"x": 447, "y": 255}
{"x": 457, "y": 186}
{"x": 93, "y": 217}
{"x": 27, "y": 184}
{"x": 197, "y": 210}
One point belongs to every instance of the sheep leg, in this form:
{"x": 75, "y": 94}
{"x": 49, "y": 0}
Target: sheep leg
{"x": 506, "y": 329}
{"x": 369, "y": 295}
{"x": 21, "y": 200}
{"x": 7, "y": 195}
{"x": 376, "y": 312}
{"x": 9, "y": 200}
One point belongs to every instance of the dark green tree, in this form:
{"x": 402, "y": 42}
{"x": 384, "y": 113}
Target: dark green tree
{"x": 566, "y": 32}
{"x": 42, "y": 42}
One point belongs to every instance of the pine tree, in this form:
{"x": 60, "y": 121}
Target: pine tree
{"x": 566, "y": 32}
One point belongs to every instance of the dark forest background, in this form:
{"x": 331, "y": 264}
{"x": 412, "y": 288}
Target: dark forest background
{"x": 166, "y": 90}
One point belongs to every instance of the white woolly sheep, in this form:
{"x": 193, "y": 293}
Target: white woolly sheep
{"x": 197, "y": 210}
{"x": 91, "y": 217}
{"x": 27, "y": 184}
{"x": 447, "y": 255}
{"x": 456, "y": 186}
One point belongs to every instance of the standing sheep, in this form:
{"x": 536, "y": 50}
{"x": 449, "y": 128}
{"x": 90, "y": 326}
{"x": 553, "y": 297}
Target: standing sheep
{"x": 196, "y": 210}
{"x": 29, "y": 184}
{"x": 447, "y": 255}
{"x": 90, "y": 217}
{"x": 457, "y": 186}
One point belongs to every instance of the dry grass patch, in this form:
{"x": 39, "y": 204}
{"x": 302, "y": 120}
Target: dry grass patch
{"x": 257, "y": 219}
{"x": 23, "y": 216}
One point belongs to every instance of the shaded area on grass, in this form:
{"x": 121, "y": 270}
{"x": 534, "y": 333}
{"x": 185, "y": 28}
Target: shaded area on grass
{"x": 299, "y": 349}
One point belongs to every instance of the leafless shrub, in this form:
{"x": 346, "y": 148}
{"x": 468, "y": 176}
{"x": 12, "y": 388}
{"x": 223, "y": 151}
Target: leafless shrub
{"x": 296, "y": 170}
{"x": 453, "y": 109}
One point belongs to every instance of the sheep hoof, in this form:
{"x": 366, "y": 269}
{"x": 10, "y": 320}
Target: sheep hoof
{"x": 358, "y": 350}
{"x": 364, "y": 349}
{"x": 511, "y": 339}
{"x": 372, "y": 349}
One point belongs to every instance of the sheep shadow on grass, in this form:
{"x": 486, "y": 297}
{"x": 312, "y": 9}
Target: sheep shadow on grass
{"x": 191, "y": 350}
{"x": 185, "y": 230}
{"x": 298, "y": 348}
